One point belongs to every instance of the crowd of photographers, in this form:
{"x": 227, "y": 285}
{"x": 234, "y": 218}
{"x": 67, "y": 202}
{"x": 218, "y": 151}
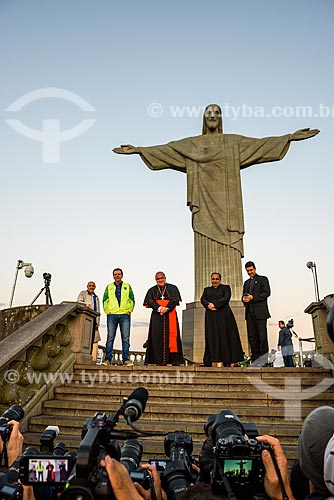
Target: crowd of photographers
{"x": 228, "y": 440}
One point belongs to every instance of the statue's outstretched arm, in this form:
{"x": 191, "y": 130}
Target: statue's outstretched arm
{"x": 304, "y": 133}
{"x": 126, "y": 149}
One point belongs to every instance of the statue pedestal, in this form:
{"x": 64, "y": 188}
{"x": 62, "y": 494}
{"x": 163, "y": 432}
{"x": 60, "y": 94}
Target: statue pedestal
{"x": 193, "y": 329}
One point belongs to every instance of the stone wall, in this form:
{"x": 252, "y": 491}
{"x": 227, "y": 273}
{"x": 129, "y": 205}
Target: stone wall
{"x": 12, "y": 319}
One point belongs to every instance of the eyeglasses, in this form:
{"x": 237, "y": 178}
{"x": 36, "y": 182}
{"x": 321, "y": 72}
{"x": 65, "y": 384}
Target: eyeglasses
{"x": 159, "y": 279}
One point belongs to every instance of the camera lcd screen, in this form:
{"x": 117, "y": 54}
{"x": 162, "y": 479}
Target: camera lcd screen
{"x": 47, "y": 470}
{"x": 160, "y": 465}
{"x": 8, "y": 490}
{"x": 238, "y": 469}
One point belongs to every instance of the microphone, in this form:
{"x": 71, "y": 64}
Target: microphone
{"x": 136, "y": 403}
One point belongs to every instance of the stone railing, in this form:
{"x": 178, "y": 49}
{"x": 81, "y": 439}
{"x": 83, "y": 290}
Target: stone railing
{"x": 15, "y": 317}
{"x": 137, "y": 357}
{"x": 34, "y": 357}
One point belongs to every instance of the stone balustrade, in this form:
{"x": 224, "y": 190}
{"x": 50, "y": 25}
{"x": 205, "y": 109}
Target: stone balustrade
{"x": 34, "y": 356}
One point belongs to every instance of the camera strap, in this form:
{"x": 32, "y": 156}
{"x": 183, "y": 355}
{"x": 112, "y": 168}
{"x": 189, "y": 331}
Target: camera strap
{"x": 229, "y": 493}
{"x": 152, "y": 491}
{"x": 280, "y": 480}
{"x": 4, "y": 455}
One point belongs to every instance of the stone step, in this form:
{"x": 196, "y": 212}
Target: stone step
{"x": 188, "y": 397}
{"x": 172, "y": 412}
{"x": 172, "y": 371}
{"x": 234, "y": 384}
{"x": 73, "y": 425}
{"x": 243, "y": 384}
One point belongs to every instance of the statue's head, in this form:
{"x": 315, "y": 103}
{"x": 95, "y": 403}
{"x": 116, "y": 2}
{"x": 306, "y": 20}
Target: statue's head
{"x": 212, "y": 119}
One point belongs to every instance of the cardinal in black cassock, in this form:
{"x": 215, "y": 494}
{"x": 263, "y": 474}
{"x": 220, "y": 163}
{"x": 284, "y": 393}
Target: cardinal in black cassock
{"x": 164, "y": 342}
{"x": 222, "y": 341}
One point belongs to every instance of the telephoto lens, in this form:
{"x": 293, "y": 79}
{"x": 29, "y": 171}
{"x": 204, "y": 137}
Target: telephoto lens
{"x": 131, "y": 453}
{"x": 15, "y": 412}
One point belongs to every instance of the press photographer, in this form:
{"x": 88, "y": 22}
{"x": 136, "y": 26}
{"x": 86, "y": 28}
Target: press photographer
{"x": 10, "y": 448}
{"x": 11, "y": 444}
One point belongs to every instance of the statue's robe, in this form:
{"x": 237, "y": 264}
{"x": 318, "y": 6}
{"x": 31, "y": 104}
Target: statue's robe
{"x": 212, "y": 164}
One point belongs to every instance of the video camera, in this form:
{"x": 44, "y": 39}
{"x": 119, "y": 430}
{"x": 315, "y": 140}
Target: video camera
{"x": 51, "y": 465}
{"x": 47, "y": 279}
{"x": 237, "y": 466}
{"x": 80, "y": 475}
{"x": 290, "y": 324}
{"x": 178, "y": 473}
{"x": 90, "y": 480}
{"x": 47, "y": 467}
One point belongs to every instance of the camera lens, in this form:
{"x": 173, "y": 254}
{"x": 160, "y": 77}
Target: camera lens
{"x": 15, "y": 412}
{"x": 131, "y": 454}
{"x": 226, "y": 424}
{"x": 59, "y": 449}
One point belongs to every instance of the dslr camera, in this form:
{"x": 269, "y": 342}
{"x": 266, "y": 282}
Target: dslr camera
{"x": 237, "y": 463}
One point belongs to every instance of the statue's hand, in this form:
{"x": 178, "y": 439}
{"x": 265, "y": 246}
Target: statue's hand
{"x": 126, "y": 149}
{"x": 304, "y": 133}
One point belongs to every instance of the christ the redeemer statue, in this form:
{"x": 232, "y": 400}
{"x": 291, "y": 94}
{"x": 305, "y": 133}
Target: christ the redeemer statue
{"x": 212, "y": 162}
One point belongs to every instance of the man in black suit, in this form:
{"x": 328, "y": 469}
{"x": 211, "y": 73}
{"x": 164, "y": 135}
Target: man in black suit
{"x": 255, "y": 294}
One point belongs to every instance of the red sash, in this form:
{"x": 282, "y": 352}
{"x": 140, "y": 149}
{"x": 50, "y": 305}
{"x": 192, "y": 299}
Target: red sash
{"x": 172, "y": 326}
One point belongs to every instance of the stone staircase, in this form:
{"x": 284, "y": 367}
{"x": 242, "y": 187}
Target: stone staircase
{"x": 181, "y": 398}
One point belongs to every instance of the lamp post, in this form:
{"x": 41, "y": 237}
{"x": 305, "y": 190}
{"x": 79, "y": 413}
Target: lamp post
{"x": 28, "y": 271}
{"x": 313, "y": 267}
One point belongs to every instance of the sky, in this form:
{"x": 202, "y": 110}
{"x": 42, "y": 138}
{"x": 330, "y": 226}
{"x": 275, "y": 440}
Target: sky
{"x": 110, "y": 73}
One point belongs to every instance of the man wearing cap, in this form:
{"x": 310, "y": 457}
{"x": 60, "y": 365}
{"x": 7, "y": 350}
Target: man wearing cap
{"x": 316, "y": 452}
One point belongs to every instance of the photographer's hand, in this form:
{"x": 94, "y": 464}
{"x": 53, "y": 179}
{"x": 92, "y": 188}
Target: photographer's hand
{"x": 15, "y": 442}
{"x": 271, "y": 481}
{"x": 28, "y": 492}
{"x": 120, "y": 480}
{"x": 159, "y": 492}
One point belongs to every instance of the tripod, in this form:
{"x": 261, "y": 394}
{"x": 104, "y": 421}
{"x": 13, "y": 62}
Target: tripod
{"x": 46, "y": 289}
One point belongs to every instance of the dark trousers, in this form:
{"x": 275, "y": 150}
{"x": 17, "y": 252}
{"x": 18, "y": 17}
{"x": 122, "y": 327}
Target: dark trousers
{"x": 288, "y": 361}
{"x": 257, "y": 337}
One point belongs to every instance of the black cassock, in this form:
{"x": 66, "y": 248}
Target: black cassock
{"x": 158, "y": 351}
{"x": 222, "y": 341}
